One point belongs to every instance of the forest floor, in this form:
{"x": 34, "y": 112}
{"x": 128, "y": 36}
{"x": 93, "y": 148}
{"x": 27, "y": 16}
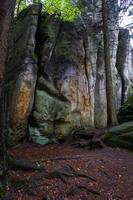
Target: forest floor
{"x": 72, "y": 173}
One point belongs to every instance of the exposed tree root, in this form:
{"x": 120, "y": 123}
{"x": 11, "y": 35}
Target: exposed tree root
{"x": 88, "y": 189}
{"x": 67, "y": 172}
{"x": 63, "y": 174}
{"x": 17, "y": 164}
{"x": 60, "y": 158}
{"x": 36, "y": 164}
{"x": 77, "y": 189}
{"x": 23, "y": 164}
{"x": 90, "y": 139}
{"x": 58, "y": 174}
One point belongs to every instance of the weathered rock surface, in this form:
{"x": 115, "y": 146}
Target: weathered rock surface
{"x": 21, "y": 73}
{"x": 65, "y": 94}
{"x": 70, "y": 89}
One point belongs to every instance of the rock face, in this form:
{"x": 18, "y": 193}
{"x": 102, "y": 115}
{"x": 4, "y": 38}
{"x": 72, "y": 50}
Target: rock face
{"x": 70, "y": 88}
{"x": 70, "y": 91}
{"x": 62, "y": 88}
{"x": 21, "y": 73}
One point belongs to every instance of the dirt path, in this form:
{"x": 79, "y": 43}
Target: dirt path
{"x": 108, "y": 173}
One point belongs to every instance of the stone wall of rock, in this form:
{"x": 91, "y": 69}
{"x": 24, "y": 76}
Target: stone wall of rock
{"x": 70, "y": 88}
{"x": 21, "y": 73}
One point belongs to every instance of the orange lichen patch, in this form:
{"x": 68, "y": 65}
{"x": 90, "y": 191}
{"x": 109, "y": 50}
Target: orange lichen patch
{"x": 79, "y": 97}
{"x": 22, "y": 103}
{"x": 85, "y": 106}
{"x": 84, "y": 102}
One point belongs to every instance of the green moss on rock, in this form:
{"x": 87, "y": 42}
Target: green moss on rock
{"x": 120, "y": 136}
{"x": 50, "y": 117}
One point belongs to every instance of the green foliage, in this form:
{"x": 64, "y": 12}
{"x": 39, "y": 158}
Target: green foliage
{"x": 21, "y": 4}
{"x": 66, "y": 10}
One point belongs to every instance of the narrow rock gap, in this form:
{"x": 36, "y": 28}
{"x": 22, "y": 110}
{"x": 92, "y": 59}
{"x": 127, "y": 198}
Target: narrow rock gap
{"x": 85, "y": 41}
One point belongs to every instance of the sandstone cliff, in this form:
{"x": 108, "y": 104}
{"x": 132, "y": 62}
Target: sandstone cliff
{"x": 56, "y": 78}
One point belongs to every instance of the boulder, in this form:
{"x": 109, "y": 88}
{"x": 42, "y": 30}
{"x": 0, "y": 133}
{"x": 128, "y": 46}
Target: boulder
{"x": 120, "y": 136}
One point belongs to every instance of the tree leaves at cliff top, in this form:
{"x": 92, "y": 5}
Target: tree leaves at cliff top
{"x": 66, "y": 10}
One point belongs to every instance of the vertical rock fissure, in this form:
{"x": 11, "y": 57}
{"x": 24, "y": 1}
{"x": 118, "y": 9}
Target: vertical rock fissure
{"x": 54, "y": 44}
{"x": 85, "y": 46}
{"x": 37, "y": 59}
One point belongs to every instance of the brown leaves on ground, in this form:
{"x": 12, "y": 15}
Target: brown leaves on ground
{"x": 74, "y": 173}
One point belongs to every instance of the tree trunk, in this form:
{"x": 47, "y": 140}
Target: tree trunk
{"x": 6, "y": 13}
{"x": 111, "y": 111}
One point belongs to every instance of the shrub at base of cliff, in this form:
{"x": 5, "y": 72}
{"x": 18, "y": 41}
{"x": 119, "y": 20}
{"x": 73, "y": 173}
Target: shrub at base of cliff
{"x": 120, "y": 136}
{"x": 126, "y": 112}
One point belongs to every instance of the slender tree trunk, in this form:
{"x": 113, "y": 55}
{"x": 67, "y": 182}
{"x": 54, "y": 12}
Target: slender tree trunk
{"x": 111, "y": 111}
{"x": 6, "y": 14}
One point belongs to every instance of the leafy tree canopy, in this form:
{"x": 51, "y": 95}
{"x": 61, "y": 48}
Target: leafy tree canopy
{"x": 66, "y": 10}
